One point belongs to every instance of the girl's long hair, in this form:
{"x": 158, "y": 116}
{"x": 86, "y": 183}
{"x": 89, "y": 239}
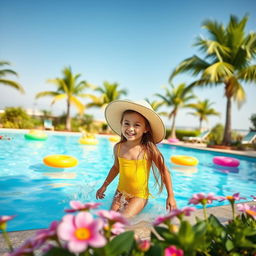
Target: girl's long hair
{"x": 153, "y": 154}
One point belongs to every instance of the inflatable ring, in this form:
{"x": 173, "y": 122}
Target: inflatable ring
{"x": 226, "y": 161}
{"x": 60, "y": 161}
{"x": 114, "y": 138}
{"x": 88, "y": 141}
{"x": 35, "y": 135}
{"x": 173, "y": 140}
{"x": 184, "y": 160}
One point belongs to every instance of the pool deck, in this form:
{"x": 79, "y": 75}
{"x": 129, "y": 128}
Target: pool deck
{"x": 142, "y": 229}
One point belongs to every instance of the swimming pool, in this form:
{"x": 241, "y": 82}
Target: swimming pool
{"x": 37, "y": 194}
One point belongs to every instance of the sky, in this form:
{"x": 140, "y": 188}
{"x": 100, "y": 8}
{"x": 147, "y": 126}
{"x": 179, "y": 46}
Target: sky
{"x": 136, "y": 43}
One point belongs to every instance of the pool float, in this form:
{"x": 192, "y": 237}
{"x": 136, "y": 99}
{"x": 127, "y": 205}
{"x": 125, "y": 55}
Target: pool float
{"x": 36, "y": 135}
{"x": 60, "y": 161}
{"x": 114, "y": 138}
{"x": 184, "y": 160}
{"x": 226, "y": 161}
{"x": 88, "y": 141}
{"x": 173, "y": 140}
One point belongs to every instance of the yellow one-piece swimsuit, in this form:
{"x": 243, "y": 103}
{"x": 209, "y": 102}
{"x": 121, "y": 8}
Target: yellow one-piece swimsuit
{"x": 133, "y": 177}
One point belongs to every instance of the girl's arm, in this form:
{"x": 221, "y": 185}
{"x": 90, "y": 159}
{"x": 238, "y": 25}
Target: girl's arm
{"x": 111, "y": 176}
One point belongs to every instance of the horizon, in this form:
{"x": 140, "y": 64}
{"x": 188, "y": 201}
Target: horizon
{"x": 136, "y": 44}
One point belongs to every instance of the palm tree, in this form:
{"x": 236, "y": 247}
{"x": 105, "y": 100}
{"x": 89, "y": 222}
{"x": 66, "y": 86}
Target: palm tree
{"x": 176, "y": 98}
{"x": 156, "y": 105}
{"x": 4, "y": 72}
{"x": 229, "y": 53}
{"x": 203, "y": 110}
{"x": 109, "y": 92}
{"x": 68, "y": 88}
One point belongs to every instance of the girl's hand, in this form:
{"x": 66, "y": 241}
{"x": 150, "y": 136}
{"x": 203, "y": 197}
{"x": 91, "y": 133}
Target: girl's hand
{"x": 100, "y": 193}
{"x": 170, "y": 203}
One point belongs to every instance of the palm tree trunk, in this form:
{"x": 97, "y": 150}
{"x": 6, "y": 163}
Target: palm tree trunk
{"x": 200, "y": 124}
{"x": 173, "y": 133}
{"x": 68, "y": 119}
{"x": 227, "y": 132}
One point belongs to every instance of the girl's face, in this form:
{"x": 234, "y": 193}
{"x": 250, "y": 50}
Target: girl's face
{"x": 133, "y": 126}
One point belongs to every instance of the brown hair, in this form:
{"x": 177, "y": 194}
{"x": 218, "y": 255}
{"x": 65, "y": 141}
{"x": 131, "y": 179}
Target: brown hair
{"x": 154, "y": 155}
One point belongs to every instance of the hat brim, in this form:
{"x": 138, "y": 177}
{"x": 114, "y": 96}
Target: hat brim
{"x": 115, "y": 109}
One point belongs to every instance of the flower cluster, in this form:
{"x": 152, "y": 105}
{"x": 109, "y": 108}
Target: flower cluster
{"x": 104, "y": 233}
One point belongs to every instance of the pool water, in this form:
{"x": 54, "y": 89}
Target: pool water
{"x": 38, "y": 194}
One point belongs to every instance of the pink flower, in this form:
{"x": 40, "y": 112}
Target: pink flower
{"x": 26, "y": 248}
{"x": 5, "y": 218}
{"x": 78, "y": 206}
{"x": 3, "y": 221}
{"x": 117, "y": 228}
{"x": 144, "y": 245}
{"x": 231, "y": 199}
{"x": 162, "y": 219}
{"x": 42, "y": 235}
{"x": 179, "y": 213}
{"x": 248, "y": 209}
{"x": 173, "y": 251}
{"x": 112, "y": 216}
{"x": 81, "y": 231}
{"x": 203, "y": 199}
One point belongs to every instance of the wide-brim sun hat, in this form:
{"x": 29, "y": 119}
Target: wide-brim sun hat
{"x": 115, "y": 109}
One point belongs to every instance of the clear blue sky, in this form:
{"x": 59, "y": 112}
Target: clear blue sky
{"x": 136, "y": 43}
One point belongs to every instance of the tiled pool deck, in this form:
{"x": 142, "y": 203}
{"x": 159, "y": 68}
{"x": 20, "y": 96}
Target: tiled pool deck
{"x": 144, "y": 228}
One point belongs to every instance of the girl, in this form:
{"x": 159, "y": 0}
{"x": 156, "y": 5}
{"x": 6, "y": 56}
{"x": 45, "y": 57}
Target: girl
{"x": 140, "y": 129}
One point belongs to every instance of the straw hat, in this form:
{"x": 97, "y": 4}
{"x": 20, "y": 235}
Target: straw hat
{"x": 115, "y": 109}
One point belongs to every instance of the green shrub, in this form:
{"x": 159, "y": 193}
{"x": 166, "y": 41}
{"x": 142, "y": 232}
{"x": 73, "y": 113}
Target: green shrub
{"x": 181, "y": 133}
{"x": 253, "y": 120}
{"x": 216, "y": 135}
{"x": 16, "y": 117}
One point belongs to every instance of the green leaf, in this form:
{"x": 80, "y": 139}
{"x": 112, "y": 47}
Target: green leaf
{"x": 58, "y": 251}
{"x": 120, "y": 244}
{"x": 154, "y": 250}
{"x": 229, "y": 245}
{"x": 186, "y": 233}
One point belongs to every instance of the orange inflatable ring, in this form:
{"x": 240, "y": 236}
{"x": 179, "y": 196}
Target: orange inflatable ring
{"x": 60, "y": 161}
{"x": 184, "y": 160}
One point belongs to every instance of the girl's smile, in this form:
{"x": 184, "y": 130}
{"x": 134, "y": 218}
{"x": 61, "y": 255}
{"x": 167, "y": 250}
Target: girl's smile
{"x": 133, "y": 126}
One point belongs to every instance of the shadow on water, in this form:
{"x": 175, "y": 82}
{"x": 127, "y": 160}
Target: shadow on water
{"x": 225, "y": 169}
{"x": 45, "y": 168}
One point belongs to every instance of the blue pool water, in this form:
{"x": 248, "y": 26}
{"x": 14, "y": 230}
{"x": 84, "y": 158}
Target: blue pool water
{"x": 38, "y": 194}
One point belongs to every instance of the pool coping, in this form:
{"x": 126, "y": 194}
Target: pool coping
{"x": 198, "y": 146}
{"x": 142, "y": 229}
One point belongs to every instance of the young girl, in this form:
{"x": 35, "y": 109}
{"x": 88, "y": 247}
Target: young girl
{"x": 140, "y": 129}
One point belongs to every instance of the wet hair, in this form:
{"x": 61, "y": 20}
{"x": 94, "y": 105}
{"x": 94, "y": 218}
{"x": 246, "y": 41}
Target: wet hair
{"x": 152, "y": 152}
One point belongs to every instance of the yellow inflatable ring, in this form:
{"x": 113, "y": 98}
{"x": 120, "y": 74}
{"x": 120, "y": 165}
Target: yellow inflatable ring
{"x": 88, "y": 141}
{"x": 184, "y": 160}
{"x": 114, "y": 138}
{"x": 60, "y": 161}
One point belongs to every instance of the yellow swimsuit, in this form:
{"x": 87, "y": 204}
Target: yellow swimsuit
{"x": 133, "y": 177}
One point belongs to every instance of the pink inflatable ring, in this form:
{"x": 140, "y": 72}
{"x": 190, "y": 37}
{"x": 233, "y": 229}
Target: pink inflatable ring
{"x": 226, "y": 161}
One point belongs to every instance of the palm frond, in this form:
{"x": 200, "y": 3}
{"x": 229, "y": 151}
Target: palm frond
{"x": 78, "y": 104}
{"x": 13, "y": 84}
{"x": 248, "y": 74}
{"x": 194, "y": 65}
{"x": 45, "y": 94}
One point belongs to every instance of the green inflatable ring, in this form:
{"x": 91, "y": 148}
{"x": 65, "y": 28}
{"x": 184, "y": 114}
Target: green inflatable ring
{"x": 34, "y": 136}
